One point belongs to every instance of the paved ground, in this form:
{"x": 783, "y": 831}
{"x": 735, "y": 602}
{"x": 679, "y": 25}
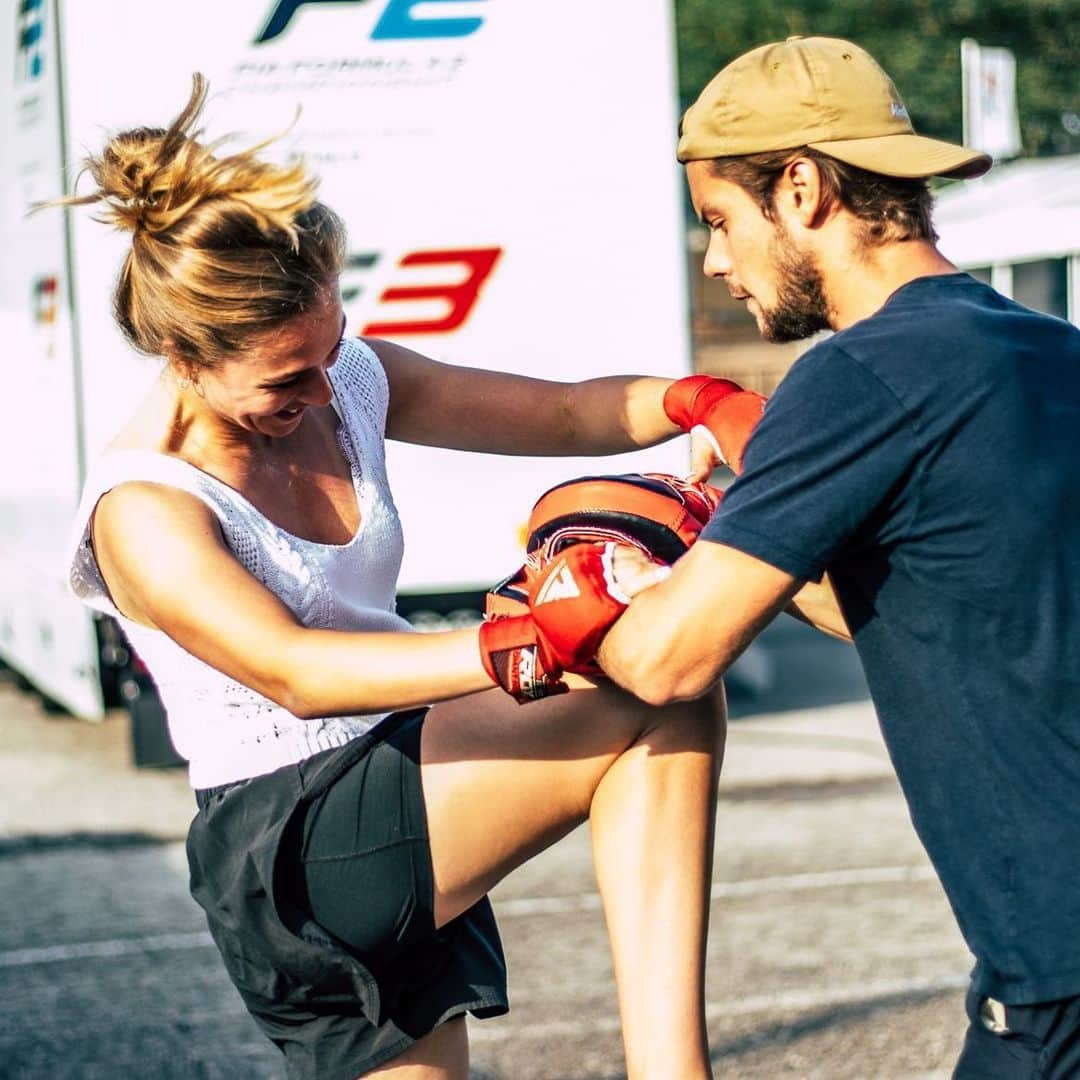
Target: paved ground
{"x": 832, "y": 952}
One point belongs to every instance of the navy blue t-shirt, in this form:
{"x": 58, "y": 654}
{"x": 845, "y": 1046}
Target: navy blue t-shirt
{"x": 928, "y": 457}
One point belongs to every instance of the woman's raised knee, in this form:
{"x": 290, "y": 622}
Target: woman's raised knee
{"x": 701, "y": 722}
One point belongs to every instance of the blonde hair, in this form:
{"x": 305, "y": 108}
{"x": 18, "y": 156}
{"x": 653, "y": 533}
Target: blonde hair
{"x": 223, "y": 248}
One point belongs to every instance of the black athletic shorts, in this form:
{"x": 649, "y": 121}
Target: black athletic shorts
{"x": 317, "y": 886}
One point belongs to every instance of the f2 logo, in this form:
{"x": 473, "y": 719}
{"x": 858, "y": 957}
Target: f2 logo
{"x": 396, "y": 23}
{"x": 459, "y": 297}
{"x": 30, "y": 33}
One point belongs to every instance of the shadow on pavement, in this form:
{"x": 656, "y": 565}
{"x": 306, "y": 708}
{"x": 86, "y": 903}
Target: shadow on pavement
{"x": 87, "y": 841}
{"x": 790, "y": 1033}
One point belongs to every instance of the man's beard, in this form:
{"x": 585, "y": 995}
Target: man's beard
{"x": 801, "y": 309}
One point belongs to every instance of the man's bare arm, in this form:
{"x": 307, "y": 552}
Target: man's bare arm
{"x": 676, "y": 639}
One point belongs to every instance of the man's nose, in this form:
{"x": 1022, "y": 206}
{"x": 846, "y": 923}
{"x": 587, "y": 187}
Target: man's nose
{"x": 717, "y": 262}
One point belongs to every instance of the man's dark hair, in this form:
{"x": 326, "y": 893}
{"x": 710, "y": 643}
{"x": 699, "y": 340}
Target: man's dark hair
{"x": 889, "y": 208}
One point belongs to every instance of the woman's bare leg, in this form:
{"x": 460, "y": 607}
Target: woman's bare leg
{"x": 652, "y": 820}
{"x": 502, "y": 782}
{"x": 442, "y": 1054}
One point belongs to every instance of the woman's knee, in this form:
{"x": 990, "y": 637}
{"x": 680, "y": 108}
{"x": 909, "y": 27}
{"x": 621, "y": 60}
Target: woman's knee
{"x": 701, "y": 722}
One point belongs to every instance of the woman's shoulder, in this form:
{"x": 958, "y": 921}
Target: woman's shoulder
{"x": 150, "y": 452}
{"x": 131, "y": 499}
{"x": 359, "y": 358}
{"x": 144, "y": 467}
{"x": 145, "y": 497}
{"x": 360, "y": 384}
{"x": 135, "y": 498}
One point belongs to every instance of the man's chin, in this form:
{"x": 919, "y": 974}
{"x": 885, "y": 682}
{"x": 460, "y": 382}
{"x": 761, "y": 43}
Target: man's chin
{"x": 784, "y": 335}
{"x": 788, "y": 327}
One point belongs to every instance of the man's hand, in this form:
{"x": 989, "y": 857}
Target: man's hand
{"x": 720, "y": 411}
{"x": 636, "y": 571}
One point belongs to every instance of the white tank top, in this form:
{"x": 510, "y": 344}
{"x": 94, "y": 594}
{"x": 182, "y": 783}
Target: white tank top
{"x": 226, "y": 730}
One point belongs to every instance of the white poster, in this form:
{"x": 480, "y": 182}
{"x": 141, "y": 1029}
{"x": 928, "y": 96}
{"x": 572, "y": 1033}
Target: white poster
{"x": 506, "y": 171}
{"x": 42, "y": 630}
{"x": 991, "y": 120}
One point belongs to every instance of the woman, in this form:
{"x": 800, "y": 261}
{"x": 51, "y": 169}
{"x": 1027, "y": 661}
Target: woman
{"x": 361, "y": 787}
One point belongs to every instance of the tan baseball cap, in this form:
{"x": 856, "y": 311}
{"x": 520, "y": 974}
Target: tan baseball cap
{"x": 820, "y": 92}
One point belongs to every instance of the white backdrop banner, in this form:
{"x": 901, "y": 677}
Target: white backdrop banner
{"x": 506, "y": 171}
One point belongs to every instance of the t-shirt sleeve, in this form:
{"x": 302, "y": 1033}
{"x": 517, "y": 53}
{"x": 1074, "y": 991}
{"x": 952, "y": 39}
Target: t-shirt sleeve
{"x": 830, "y": 449}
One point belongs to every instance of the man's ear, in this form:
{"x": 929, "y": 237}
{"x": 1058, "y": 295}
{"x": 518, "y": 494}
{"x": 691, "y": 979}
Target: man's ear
{"x": 800, "y": 194}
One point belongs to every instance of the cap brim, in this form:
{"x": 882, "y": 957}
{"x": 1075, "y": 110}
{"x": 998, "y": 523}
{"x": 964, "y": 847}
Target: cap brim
{"x": 908, "y": 156}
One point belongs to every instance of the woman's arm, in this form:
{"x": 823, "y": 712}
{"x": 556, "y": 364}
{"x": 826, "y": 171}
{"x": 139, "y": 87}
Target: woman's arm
{"x": 163, "y": 558}
{"x": 495, "y": 412}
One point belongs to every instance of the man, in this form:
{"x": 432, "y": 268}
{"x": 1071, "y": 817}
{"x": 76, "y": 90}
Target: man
{"x": 927, "y": 456}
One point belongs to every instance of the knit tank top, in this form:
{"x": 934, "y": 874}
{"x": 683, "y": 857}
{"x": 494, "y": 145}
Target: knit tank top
{"x": 226, "y": 730}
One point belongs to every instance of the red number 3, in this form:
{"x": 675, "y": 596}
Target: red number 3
{"x": 459, "y": 297}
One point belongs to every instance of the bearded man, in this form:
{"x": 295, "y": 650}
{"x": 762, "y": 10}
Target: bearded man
{"x": 925, "y": 457}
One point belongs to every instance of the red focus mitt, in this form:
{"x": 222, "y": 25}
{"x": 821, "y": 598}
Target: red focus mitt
{"x": 660, "y": 514}
{"x": 720, "y": 409}
{"x": 657, "y": 512}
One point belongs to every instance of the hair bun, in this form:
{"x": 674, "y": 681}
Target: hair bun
{"x": 133, "y": 180}
{"x": 222, "y": 247}
{"x": 149, "y": 178}
{"x": 139, "y": 173}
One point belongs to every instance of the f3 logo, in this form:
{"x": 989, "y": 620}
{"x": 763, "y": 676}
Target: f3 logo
{"x": 396, "y": 23}
{"x": 459, "y": 298}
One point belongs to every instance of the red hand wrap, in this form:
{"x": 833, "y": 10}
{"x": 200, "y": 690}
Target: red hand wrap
{"x": 575, "y": 600}
{"x": 729, "y": 412}
{"x": 516, "y": 657}
{"x": 681, "y": 399}
{"x": 511, "y": 595}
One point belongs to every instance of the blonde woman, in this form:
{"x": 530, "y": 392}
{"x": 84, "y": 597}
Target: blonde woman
{"x": 361, "y": 787}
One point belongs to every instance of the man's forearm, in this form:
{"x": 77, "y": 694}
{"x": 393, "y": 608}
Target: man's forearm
{"x": 678, "y": 638}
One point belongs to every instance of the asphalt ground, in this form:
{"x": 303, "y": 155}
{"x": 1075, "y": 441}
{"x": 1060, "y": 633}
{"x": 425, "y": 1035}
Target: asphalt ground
{"x": 832, "y": 951}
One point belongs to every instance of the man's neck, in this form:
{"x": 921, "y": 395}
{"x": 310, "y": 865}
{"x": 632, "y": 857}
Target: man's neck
{"x": 858, "y": 282}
